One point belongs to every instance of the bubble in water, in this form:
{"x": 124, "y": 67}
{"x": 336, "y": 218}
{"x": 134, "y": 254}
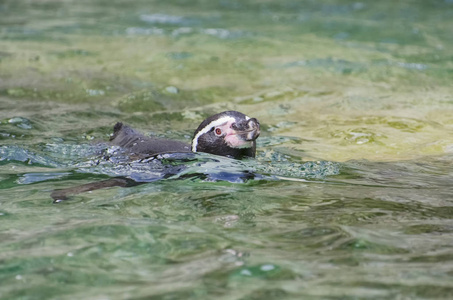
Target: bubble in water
{"x": 162, "y": 19}
{"x": 266, "y": 268}
{"x": 21, "y": 122}
{"x": 172, "y": 89}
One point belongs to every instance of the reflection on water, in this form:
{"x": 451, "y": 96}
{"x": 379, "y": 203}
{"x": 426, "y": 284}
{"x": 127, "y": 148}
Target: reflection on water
{"x": 350, "y": 193}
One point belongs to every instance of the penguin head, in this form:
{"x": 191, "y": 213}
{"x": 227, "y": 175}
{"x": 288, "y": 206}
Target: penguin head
{"x": 229, "y": 133}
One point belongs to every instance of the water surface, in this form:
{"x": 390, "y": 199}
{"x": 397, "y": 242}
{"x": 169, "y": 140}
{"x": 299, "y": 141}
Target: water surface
{"x": 349, "y": 196}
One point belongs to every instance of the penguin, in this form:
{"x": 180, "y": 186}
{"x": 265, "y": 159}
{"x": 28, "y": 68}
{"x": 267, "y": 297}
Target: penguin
{"x": 229, "y": 133}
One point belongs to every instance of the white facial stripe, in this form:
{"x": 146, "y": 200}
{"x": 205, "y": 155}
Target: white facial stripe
{"x": 208, "y": 127}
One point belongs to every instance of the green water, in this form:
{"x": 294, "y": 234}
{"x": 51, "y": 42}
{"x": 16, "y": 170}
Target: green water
{"x": 350, "y": 196}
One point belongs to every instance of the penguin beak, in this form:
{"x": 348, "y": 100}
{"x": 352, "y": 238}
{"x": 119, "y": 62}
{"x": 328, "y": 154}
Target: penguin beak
{"x": 253, "y": 130}
{"x": 247, "y": 130}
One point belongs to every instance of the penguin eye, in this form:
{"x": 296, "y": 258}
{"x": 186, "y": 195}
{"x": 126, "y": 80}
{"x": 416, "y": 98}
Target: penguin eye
{"x": 218, "y": 131}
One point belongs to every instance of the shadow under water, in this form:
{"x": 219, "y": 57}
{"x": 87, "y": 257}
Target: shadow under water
{"x": 117, "y": 164}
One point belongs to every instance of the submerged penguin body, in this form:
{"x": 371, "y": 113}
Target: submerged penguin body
{"x": 230, "y": 133}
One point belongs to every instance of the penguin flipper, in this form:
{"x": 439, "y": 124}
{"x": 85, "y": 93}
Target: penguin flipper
{"x": 64, "y": 194}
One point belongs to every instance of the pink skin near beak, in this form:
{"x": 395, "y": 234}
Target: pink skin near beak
{"x": 232, "y": 138}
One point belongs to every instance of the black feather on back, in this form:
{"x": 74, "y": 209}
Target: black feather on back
{"x": 137, "y": 143}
